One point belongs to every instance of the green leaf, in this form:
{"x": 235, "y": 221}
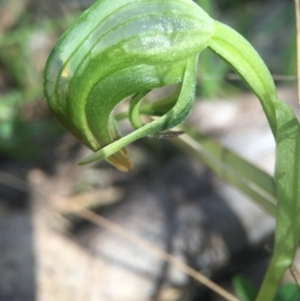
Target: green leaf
{"x": 288, "y": 292}
{"x": 248, "y": 178}
{"x": 245, "y": 289}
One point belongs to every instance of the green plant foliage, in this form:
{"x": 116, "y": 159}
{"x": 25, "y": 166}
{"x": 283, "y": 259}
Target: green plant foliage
{"x": 21, "y": 137}
{"x": 244, "y": 288}
{"x": 8, "y": 114}
{"x": 288, "y": 292}
{"x": 255, "y": 183}
{"x": 121, "y": 48}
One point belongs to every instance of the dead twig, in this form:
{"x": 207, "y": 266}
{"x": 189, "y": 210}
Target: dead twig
{"x": 113, "y": 227}
{"x": 295, "y": 274}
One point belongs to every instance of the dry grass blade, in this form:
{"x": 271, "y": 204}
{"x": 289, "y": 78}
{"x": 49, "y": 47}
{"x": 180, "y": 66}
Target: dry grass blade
{"x": 99, "y": 220}
{"x": 295, "y": 274}
{"x": 103, "y": 222}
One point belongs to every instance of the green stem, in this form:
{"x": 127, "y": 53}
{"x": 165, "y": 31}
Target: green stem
{"x": 285, "y": 127}
{"x": 239, "y": 53}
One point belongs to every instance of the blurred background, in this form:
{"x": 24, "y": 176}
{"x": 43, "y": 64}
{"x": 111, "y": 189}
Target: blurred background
{"x": 169, "y": 199}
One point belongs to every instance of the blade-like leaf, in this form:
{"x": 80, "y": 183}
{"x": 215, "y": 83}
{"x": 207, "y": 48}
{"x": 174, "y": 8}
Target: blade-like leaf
{"x": 245, "y": 289}
{"x": 237, "y": 171}
{"x": 288, "y": 292}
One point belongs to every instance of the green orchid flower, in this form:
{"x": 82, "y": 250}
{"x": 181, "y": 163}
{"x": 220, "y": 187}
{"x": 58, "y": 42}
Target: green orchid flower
{"x": 117, "y": 49}
{"x": 122, "y": 48}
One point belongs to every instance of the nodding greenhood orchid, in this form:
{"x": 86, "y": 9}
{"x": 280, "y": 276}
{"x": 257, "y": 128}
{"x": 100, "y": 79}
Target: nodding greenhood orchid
{"x": 122, "y": 48}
